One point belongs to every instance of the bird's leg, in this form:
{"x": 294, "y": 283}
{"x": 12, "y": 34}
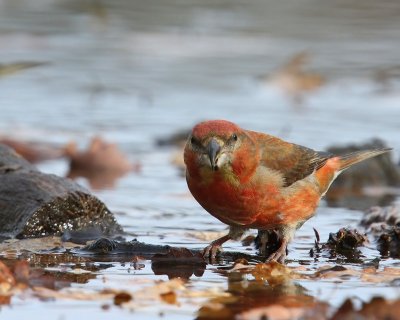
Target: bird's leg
{"x": 214, "y": 247}
{"x": 285, "y": 234}
{"x": 267, "y": 242}
{"x": 280, "y": 254}
{"x": 263, "y": 241}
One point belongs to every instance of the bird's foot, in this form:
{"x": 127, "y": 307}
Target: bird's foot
{"x": 211, "y": 251}
{"x": 280, "y": 254}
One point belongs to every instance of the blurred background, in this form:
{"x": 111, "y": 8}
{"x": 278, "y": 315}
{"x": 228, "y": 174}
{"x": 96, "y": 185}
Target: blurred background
{"x": 105, "y": 91}
{"x": 92, "y": 85}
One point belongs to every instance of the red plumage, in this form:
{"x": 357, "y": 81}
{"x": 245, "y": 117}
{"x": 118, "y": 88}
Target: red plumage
{"x": 251, "y": 180}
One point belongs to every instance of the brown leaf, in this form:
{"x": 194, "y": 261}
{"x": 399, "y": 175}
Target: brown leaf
{"x": 71, "y": 294}
{"x": 169, "y": 297}
{"x": 7, "y": 280}
{"x": 378, "y": 308}
{"x": 22, "y": 271}
{"x": 272, "y": 312}
{"x": 346, "y": 309}
{"x": 273, "y": 272}
{"x": 121, "y": 298}
{"x": 102, "y": 163}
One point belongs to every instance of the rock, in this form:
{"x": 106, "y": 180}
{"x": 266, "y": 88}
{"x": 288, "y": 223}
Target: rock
{"x": 35, "y": 204}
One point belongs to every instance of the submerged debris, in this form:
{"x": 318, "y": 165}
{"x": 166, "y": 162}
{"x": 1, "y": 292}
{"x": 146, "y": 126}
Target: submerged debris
{"x": 346, "y": 239}
{"x": 345, "y": 242}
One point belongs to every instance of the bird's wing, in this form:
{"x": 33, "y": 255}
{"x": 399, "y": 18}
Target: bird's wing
{"x": 292, "y": 161}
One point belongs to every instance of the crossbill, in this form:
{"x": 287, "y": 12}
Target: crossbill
{"x": 252, "y": 180}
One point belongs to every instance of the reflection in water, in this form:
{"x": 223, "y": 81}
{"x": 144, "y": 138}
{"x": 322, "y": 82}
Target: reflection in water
{"x": 134, "y": 71}
{"x": 256, "y": 294}
{"x": 183, "y": 271}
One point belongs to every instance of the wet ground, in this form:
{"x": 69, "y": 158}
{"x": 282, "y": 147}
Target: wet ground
{"x": 133, "y": 72}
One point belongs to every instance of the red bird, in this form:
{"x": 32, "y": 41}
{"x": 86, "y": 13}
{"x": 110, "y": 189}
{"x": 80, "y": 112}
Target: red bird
{"x": 251, "y": 180}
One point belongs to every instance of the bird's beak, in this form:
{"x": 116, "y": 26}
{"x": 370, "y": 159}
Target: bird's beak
{"x": 213, "y": 149}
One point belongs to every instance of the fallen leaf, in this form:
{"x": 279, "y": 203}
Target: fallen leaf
{"x": 169, "y": 297}
{"x": 122, "y": 297}
{"x": 7, "y": 280}
{"x": 22, "y": 271}
{"x": 272, "y": 312}
{"x": 273, "y": 272}
{"x": 205, "y": 235}
{"x": 72, "y": 294}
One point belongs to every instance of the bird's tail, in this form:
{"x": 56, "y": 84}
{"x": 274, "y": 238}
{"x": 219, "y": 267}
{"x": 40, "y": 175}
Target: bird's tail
{"x": 337, "y": 164}
{"x": 358, "y": 156}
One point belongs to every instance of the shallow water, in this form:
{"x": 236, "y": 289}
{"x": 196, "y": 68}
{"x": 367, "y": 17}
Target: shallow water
{"x": 134, "y": 71}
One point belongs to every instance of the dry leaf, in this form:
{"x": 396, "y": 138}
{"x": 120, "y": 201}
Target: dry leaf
{"x": 121, "y": 298}
{"x": 22, "y": 271}
{"x": 205, "y": 235}
{"x": 7, "y": 280}
{"x": 273, "y": 272}
{"x": 169, "y": 297}
{"x": 72, "y": 294}
{"x": 272, "y": 312}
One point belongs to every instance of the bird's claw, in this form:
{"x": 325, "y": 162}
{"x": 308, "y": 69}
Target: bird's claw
{"x": 211, "y": 251}
{"x": 278, "y": 256}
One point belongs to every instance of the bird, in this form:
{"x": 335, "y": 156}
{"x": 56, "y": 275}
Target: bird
{"x": 253, "y": 180}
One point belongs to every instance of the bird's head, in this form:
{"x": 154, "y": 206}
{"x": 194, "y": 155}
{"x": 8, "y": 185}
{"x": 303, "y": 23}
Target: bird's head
{"x": 216, "y": 146}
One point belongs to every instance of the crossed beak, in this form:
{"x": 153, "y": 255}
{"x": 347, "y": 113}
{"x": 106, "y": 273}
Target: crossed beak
{"x": 213, "y": 149}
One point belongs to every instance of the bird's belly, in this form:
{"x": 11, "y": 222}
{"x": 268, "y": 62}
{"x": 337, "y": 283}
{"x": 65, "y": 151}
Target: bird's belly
{"x": 240, "y": 205}
{"x": 255, "y": 207}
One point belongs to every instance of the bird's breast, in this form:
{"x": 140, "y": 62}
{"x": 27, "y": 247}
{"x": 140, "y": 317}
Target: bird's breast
{"x": 235, "y": 203}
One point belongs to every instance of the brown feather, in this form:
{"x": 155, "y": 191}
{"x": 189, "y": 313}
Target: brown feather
{"x": 293, "y": 162}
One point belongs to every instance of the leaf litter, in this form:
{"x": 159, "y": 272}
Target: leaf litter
{"x": 255, "y": 290}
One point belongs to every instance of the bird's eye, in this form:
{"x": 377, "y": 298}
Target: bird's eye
{"x": 194, "y": 141}
{"x": 234, "y": 137}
